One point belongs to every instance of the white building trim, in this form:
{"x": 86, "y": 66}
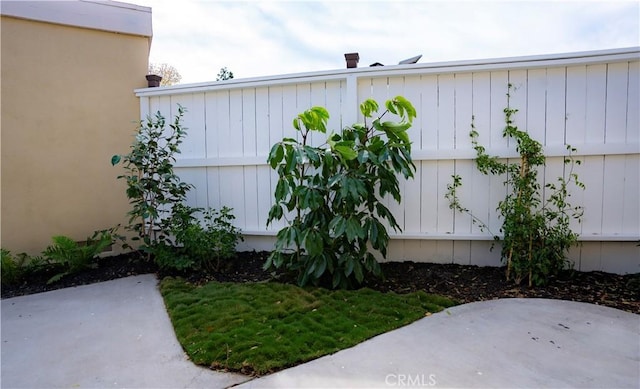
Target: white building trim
{"x": 112, "y": 16}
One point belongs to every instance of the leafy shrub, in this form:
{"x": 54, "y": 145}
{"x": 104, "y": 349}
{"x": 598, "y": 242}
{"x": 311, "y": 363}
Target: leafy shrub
{"x": 153, "y": 188}
{"x": 198, "y": 247}
{"x": 331, "y": 194}
{"x": 15, "y": 268}
{"x": 11, "y": 270}
{"x": 72, "y": 257}
{"x": 536, "y": 232}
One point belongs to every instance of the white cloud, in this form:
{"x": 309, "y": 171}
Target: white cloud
{"x": 269, "y": 38}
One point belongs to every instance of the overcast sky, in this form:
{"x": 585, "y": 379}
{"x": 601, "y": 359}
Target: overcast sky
{"x": 253, "y": 38}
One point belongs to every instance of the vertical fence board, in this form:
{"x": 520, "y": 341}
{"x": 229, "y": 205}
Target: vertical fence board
{"x": 613, "y": 194}
{"x": 289, "y": 111}
{"x": 553, "y": 170}
{"x": 536, "y": 105}
{"x": 481, "y": 100}
{"x": 429, "y": 111}
{"x": 411, "y": 200}
{"x": 303, "y": 98}
{"x": 444, "y": 214}
{"x": 616, "y": 103}
{"x": 198, "y": 196}
{"x": 576, "y": 104}
{"x": 596, "y": 103}
{"x": 518, "y": 100}
{"x": 590, "y": 173}
{"x": 633, "y": 102}
{"x": 446, "y": 112}
{"x": 593, "y": 179}
{"x": 631, "y": 195}
{"x": 499, "y": 102}
{"x": 412, "y": 93}
{"x": 482, "y": 122}
{"x": 396, "y": 87}
{"x": 235, "y": 148}
{"x": 226, "y": 146}
{"x": 411, "y": 197}
{"x": 213, "y": 187}
{"x": 485, "y": 253}
{"x": 275, "y": 115}
{"x": 263, "y": 134}
{"x": 193, "y": 145}
{"x": 463, "y": 110}
{"x": 480, "y": 185}
{"x": 591, "y": 256}
{"x": 249, "y": 129}
{"x": 462, "y": 252}
{"x": 429, "y": 197}
{"x": 211, "y": 125}
{"x": 232, "y": 192}
{"x": 467, "y": 196}
{"x": 164, "y": 104}
{"x": 251, "y": 204}
{"x": 555, "y": 107}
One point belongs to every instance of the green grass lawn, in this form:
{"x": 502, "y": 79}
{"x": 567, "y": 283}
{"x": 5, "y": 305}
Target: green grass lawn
{"x": 258, "y": 328}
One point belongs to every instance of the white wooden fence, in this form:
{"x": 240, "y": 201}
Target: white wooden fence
{"x": 589, "y": 100}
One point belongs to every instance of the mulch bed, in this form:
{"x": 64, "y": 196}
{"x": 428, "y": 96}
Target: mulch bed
{"x": 460, "y": 282}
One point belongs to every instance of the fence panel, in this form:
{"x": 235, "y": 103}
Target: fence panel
{"x": 588, "y": 100}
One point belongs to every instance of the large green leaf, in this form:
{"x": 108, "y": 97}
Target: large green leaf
{"x": 321, "y": 266}
{"x": 346, "y": 150}
{"x": 314, "y": 243}
{"x": 282, "y": 189}
{"x": 354, "y": 229}
{"x": 368, "y": 107}
{"x": 338, "y": 225}
{"x": 275, "y": 155}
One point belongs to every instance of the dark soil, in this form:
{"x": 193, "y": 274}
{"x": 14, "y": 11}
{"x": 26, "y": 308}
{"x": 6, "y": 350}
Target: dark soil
{"x": 462, "y": 283}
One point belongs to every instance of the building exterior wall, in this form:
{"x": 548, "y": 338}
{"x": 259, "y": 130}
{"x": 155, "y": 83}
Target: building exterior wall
{"x": 67, "y": 107}
{"x": 589, "y": 100}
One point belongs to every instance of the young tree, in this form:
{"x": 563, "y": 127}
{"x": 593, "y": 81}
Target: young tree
{"x": 170, "y": 75}
{"x": 224, "y": 74}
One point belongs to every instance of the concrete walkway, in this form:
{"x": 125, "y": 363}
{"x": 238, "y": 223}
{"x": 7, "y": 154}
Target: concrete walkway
{"x": 117, "y": 334}
{"x": 113, "y": 334}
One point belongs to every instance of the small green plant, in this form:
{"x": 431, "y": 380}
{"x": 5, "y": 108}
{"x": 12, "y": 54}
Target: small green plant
{"x": 198, "y": 247}
{"x": 536, "y": 231}
{"x": 12, "y": 268}
{"x": 15, "y": 268}
{"x": 330, "y": 195}
{"x": 153, "y": 188}
{"x": 72, "y": 257}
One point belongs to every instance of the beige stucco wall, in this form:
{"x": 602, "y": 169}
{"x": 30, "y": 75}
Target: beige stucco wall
{"x": 67, "y": 106}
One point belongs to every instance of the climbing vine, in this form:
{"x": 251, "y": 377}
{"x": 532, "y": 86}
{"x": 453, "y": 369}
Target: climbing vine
{"x": 536, "y": 233}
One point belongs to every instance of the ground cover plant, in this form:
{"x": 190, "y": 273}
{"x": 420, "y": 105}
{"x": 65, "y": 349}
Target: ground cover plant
{"x": 258, "y": 328}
